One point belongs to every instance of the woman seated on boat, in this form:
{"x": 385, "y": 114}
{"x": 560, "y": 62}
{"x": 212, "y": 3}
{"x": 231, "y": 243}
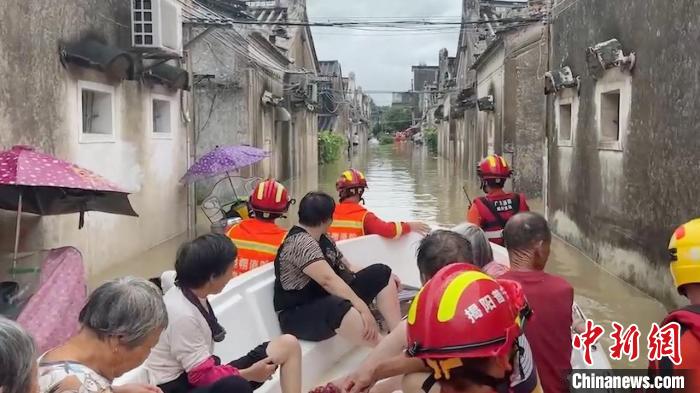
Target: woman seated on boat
{"x": 120, "y": 323}
{"x": 184, "y": 357}
{"x": 437, "y": 250}
{"x": 318, "y": 293}
{"x": 17, "y": 359}
{"x": 482, "y": 253}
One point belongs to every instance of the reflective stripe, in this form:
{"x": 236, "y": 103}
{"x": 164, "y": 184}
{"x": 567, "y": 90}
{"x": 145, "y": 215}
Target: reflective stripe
{"x": 256, "y": 246}
{"x": 450, "y": 298}
{"x": 348, "y": 224}
{"x": 492, "y": 161}
{"x": 261, "y": 189}
{"x": 442, "y": 367}
{"x": 413, "y": 309}
{"x": 494, "y": 234}
{"x": 399, "y": 230}
{"x": 278, "y": 196}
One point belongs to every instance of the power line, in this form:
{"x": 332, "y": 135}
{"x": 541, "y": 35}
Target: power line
{"x": 379, "y": 23}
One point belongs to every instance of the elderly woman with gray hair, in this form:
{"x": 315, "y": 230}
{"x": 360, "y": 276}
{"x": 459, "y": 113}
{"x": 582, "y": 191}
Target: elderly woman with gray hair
{"x": 481, "y": 249}
{"x": 120, "y": 323}
{"x": 17, "y": 359}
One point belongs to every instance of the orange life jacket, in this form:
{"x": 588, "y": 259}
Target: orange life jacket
{"x": 495, "y": 211}
{"x": 348, "y": 221}
{"x": 689, "y": 319}
{"x": 257, "y": 242}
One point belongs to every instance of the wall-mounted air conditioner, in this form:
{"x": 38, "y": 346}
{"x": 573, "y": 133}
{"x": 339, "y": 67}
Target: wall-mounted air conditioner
{"x": 560, "y": 79}
{"x": 313, "y": 92}
{"x": 156, "y": 25}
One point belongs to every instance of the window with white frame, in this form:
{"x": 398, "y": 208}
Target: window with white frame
{"x": 613, "y": 101}
{"x": 566, "y": 117}
{"x": 565, "y": 123}
{"x": 97, "y": 111}
{"x": 162, "y": 113}
{"x": 610, "y": 116}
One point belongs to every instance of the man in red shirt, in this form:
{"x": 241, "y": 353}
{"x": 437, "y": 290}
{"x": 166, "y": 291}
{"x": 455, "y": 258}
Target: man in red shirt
{"x": 492, "y": 212}
{"x": 528, "y": 239}
{"x": 351, "y": 219}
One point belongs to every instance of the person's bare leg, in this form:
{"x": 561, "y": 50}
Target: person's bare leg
{"x": 413, "y": 383}
{"x": 352, "y": 328}
{"x": 388, "y": 305}
{"x": 285, "y": 351}
{"x": 388, "y": 385}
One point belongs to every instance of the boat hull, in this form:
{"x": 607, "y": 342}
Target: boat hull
{"x": 245, "y": 310}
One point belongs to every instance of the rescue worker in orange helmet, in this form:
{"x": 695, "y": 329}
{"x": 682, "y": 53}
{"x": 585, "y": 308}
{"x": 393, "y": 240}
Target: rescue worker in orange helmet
{"x": 684, "y": 250}
{"x": 492, "y": 212}
{"x": 465, "y": 326}
{"x": 351, "y": 219}
{"x": 258, "y": 238}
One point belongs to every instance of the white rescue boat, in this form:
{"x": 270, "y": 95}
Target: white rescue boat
{"x": 246, "y": 311}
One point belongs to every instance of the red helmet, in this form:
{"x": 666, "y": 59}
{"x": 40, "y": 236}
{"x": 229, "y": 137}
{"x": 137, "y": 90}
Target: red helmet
{"x": 494, "y": 167}
{"x": 352, "y": 178}
{"x": 463, "y": 313}
{"x": 351, "y": 183}
{"x": 270, "y": 197}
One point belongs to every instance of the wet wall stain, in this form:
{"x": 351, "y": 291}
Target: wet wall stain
{"x": 633, "y": 199}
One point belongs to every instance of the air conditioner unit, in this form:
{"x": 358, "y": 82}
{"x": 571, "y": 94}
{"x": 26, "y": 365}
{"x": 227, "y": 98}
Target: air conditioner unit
{"x": 486, "y": 104}
{"x": 606, "y": 55}
{"x": 156, "y": 25}
{"x": 560, "y": 79}
{"x": 312, "y": 92}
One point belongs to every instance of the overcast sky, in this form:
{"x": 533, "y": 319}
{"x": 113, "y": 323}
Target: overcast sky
{"x": 382, "y": 61}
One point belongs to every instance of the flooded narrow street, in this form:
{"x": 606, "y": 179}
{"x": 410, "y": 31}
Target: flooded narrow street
{"x": 409, "y": 183}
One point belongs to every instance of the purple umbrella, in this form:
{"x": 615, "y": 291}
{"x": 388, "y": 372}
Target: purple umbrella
{"x": 223, "y": 160}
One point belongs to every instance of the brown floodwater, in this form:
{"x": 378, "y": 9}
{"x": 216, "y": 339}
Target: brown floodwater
{"x": 409, "y": 183}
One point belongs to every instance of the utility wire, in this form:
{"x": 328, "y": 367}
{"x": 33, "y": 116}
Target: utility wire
{"x": 379, "y": 23}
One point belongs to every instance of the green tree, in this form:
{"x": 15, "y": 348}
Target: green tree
{"x": 393, "y": 119}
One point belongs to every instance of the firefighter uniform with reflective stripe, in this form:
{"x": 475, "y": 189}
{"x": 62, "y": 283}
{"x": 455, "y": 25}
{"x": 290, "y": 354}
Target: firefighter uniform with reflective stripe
{"x": 689, "y": 319}
{"x": 493, "y": 211}
{"x": 257, "y": 242}
{"x": 351, "y": 220}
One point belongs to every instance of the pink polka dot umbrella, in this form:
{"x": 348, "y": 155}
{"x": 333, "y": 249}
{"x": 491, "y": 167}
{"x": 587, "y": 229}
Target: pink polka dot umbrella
{"x": 38, "y": 183}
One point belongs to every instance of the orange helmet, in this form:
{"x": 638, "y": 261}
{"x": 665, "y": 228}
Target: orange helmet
{"x": 463, "y": 313}
{"x": 270, "y": 197}
{"x": 351, "y": 182}
{"x": 494, "y": 167}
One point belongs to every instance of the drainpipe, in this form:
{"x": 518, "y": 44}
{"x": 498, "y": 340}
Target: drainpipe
{"x": 191, "y": 144}
{"x": 548, "y": 117}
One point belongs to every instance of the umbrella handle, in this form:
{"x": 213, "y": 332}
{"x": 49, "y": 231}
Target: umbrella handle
{"x": 17, "y": 230}
{"x": 235, "y": 195}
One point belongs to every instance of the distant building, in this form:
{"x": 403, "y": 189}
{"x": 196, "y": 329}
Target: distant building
{"x": 252, "y": 85}
{"x": 424, "y": 77}
{"x": 332, "y": 114}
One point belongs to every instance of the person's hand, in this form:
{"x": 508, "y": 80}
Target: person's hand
{"x": 419, "y": 227}
{"x": 260, "y": 371}
{"x": 361, "y": 381}
{"x": 396, "y": 280}
{"x": 371, "y": 330}
{"x": 136, "y": 388}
